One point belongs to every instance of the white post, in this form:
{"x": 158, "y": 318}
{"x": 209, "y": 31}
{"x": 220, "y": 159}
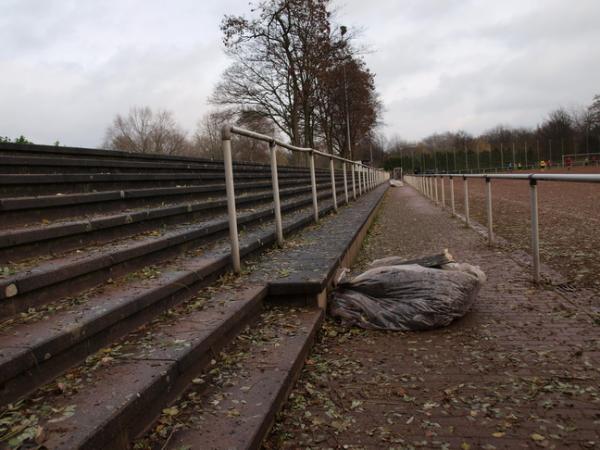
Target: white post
{"x": 231, "y": 212}
{"x": 276, "y": 199}
{"x": 359, "y": 168}
{"x": 313, "y": 182}
{"x": 435, "y": 182}
{"x": 333, "y": 186}
{"x": 488, "y": 203}
{"x": 467, "y": 219}
{"x": 443, "y": 192}
{"x": 535, "y": 232}
{"x": 345, "y": 182}
{"x": 452, "y": 196}
{"x": 353, "y": 169}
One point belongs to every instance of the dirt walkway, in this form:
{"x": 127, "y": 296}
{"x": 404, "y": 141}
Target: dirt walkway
{"x": 522, "y": 370}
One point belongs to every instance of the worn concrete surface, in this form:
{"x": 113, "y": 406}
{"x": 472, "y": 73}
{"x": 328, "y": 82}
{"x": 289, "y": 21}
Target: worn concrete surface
{"x": 522, "y": 370}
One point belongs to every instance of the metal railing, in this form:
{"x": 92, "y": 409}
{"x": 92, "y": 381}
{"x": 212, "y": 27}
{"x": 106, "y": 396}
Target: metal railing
{"x": 364, "y": 178}
{"x": 428, "y": 186}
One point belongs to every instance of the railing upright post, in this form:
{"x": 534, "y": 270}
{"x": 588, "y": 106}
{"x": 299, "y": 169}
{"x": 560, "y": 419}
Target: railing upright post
{"x": 313, "y": 183}
{"x": 443, "y": 192}
{"x": 435, "y": 182}
{"x": 353, "y": 169}
{"x": 467, "y": 218}
{"x": 345, "y": 182}
{"x": 276, "y": 198}
{"x": 488, "y": 204}
{"x": 452, "y": 196}
{"x": 229, "y": 189}
{"x": 359, "y": 169}
{"x": 535, "y": 231}
{"x": 430, "y": 187}
{"x": 333, "y": 185}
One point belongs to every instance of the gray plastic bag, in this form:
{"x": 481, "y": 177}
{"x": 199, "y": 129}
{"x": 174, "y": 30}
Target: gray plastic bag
{"x": 407, "y": 296}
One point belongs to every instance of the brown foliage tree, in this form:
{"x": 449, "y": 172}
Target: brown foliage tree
{"x": 287, "y": 67}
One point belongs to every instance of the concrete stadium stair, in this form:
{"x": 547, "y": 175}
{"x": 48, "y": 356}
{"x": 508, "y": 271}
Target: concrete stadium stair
{"x": 119, "y": 258}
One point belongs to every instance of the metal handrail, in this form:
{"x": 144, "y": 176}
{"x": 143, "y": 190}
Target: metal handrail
{"x": 581, "y": 178}
{"x": 427, "y": 184}
{"x": 368, "y": 178}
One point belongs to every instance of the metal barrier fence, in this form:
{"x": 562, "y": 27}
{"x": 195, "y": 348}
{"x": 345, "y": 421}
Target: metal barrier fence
{"x": 364, "y": 178}
{"x": 428, "y": 186}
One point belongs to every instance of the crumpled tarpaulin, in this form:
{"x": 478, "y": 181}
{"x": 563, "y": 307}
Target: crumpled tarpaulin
{"x": 405, "y": 295}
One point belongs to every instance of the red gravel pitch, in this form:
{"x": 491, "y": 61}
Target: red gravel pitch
{"x": 569, "y": 221}
{"x": 521, "y": 370}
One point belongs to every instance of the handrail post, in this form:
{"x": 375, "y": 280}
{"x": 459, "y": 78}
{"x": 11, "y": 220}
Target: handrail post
{"x": 345, "y": 182}
{"x": 353, "y": 169}
{"x": 535, "y": 231}
{"x": 364, "y": 180}
{"x": 488, "y": 204}
{"x": 443, "y": 192}
{"x": 276, "y": 198}
{"x": 333, "y": 185}
{"x": 229, "y": 189}
{"x": 467, "y": 218}
{"x": 313, "y": 183}
{"x": 359, "y": 169}
{"x": 435, "y": 181}
{"x": 429, "y": 188}
{"x": 452, "y": 196}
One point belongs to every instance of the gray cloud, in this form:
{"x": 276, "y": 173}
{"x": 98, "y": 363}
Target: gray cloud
{"x": 69, "y": 66}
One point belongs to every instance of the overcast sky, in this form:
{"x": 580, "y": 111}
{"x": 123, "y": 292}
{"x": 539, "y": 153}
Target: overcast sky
{"x": 68, "y": 66}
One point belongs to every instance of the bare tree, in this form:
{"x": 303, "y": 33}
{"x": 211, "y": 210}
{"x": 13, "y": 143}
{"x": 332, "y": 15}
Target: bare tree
{"x": 287, "y": 68}
{"x": 207, "y": 138}
{"x": 144, "y": 131}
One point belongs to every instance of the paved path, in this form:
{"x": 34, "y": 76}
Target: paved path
{"x": 522, "y": 370}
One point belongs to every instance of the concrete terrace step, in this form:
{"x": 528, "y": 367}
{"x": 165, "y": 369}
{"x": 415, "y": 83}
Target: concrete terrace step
{"x": 62, "y": 164}
{"x": 120, "y": 391}
{"x": 20, "y": 243}
{"x": 32, "y": 184}
{"x": 35, "y": 150}
{"x": 36, "y": 351}
{"x": 130, "y": 392}
{"x": 23, "y": 210}
{"x": 239, "y": 413}
{"x": 70, "y": 274}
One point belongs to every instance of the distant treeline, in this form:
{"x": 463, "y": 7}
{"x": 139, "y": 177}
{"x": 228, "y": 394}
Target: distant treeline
{"x": 563, "y": 132}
